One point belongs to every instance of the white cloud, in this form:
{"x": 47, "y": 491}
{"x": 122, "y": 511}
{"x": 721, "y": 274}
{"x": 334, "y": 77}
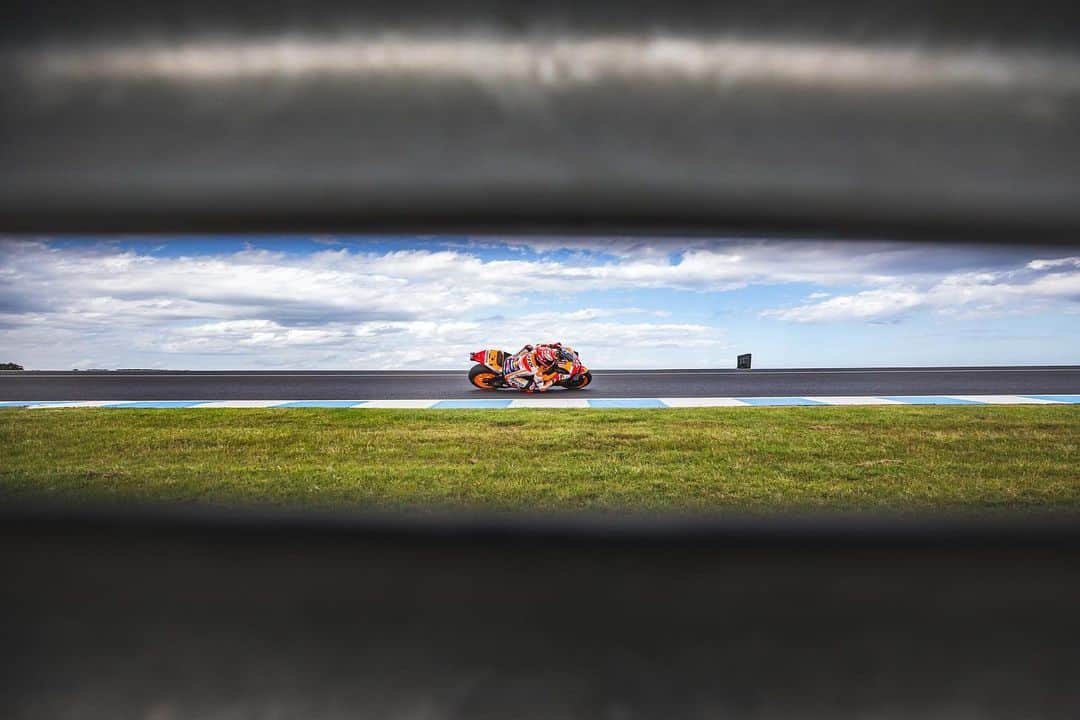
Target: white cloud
{"x": 1058, "y": 262}
{"x": 395, "y": 343}
{"x": 429, "y": 306}
{"x": 1037, "y": 285}
{"x": 866, "y": 305}
{"x": 336, "y": 307}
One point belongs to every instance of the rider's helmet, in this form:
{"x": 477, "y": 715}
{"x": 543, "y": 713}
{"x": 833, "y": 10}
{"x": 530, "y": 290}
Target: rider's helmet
{"x": 555, "y": 358}
{"x": 546, "y": 356}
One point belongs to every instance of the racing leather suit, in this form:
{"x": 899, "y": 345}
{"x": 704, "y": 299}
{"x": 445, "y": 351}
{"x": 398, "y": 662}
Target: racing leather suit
{"x": 524, "y": 370}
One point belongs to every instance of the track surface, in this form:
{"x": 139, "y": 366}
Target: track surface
{"x": 379, "y": 385}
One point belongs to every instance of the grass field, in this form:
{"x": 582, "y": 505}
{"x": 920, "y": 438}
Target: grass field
{"x": 699, "y": 460}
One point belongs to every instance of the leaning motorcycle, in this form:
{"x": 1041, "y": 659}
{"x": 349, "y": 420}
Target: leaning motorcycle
{"x": 487, "y": 374}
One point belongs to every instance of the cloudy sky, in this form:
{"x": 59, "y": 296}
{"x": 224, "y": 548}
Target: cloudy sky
{"x": 351, "y": 303}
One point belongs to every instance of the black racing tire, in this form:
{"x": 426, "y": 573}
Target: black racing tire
{"x": 577, "y": 382}
{"x": 485, "y": 378}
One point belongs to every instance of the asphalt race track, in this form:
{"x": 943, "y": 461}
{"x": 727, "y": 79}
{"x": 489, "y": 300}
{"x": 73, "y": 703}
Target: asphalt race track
{"x": 388, "y": 385}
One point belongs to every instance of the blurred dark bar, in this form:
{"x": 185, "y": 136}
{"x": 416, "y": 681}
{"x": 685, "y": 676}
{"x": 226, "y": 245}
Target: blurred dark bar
{"x": 202, "y": 616}
{"x": 919, "y": 118}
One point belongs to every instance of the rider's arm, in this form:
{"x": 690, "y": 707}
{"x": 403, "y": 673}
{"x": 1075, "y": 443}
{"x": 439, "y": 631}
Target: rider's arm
{"x": 522, "y": 378}
{"x": 542, "y": 382}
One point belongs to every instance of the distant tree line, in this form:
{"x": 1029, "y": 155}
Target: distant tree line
{"x": 10, "y": 366}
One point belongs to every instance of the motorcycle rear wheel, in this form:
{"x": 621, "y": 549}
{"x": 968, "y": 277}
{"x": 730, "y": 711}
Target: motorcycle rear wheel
{"x": 484, "y": 377}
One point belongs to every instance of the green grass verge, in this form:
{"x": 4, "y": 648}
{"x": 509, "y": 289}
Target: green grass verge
{"x": 694, "y": 460}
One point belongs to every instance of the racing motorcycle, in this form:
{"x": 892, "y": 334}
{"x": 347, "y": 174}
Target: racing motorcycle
{"x": 487, "y": 374}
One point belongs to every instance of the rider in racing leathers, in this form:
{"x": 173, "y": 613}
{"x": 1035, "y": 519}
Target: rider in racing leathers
{"x": 537, "y": 368}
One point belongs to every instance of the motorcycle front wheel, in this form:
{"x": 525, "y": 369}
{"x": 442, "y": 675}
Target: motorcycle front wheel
{"x": 578, "y": 381}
